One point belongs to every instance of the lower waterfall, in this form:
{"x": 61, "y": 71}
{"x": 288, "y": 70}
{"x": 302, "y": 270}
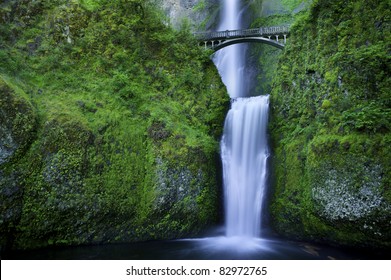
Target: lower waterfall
{"x": 244, "y": 153}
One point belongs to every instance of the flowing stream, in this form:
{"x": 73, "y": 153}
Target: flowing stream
{"x": 244, "y": 149}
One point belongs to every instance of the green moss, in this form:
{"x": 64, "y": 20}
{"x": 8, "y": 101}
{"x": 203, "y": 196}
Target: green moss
{"x": 330, "y": 122}
{"x": 265, "y": 58}
{"x": 119, "y": 98}
{"x": 18, "y": 120}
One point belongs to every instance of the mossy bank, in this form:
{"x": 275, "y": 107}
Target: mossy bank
{"x": 110, "y": 123}
{"x": 330, "y": 126}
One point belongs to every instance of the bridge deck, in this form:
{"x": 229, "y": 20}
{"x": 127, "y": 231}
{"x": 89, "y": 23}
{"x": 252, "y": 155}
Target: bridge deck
{"x": 242, "y": 33}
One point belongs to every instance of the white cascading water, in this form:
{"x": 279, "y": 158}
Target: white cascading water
{"x": 231, "y": 60}
{"x": 244, "y": 153}
{"x": 244, "y": 149}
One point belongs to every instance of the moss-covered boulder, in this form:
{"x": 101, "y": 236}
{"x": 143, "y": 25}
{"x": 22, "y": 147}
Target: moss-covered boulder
{"x": 331, "y": 124}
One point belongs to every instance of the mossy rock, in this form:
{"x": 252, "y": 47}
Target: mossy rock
{"x": 17, "y": 123}
{"x": 331, "y": 126}
{"x": 17, "y": 132}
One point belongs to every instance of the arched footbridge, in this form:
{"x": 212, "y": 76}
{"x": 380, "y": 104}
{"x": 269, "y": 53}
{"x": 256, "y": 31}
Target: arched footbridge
{"x": 274, "y": 35}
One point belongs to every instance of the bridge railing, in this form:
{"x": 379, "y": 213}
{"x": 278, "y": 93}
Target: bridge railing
{"x": 274, "y": 30}
{"x": 219, "y": 35}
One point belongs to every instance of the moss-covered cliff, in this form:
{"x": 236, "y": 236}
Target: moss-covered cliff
{"x": 262, "y": 57}
{"x": 109, "y": 125}
{"x": 198, "y": 14}
{"x": 331, "y": 126}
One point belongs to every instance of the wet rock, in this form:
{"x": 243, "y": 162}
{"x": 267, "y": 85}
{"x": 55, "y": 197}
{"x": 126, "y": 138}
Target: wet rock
{"x": 339, "y": 198}
{"x": 175, "y": 185}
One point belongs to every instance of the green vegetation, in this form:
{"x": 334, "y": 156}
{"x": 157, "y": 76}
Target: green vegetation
{"x": 331, "y": 125}
{"x": 209, "y": 10}
{"x": 265, "y": 57}
{"x": 115, "y": 124}
{"x": 109, "y": 121}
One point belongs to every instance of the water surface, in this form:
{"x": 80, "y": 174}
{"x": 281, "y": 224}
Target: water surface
{"x": 209, "y": 248}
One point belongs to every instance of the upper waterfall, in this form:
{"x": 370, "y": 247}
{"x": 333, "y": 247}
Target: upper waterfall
{"x": 231, "y": 60}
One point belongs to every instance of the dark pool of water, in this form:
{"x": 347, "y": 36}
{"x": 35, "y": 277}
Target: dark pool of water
{"x": 213, "y": 248}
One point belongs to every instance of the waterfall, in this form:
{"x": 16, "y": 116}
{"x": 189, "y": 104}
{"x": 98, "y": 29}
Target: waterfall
{"x": 244, "y": 153}
{"x": 231, "y": 60}
{"x": 244, "y": 149}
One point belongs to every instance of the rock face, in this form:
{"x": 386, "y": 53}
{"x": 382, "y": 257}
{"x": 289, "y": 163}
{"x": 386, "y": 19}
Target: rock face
{"x": 268, "y": 8}
{"x": 17, "y": 131}
{"x": 331, "y": 127}
{"x": 17, "y": 122}
{"x": 262, "y": 57}
{"x": 338, "y": 198}
{"x": 201, "y": 14}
